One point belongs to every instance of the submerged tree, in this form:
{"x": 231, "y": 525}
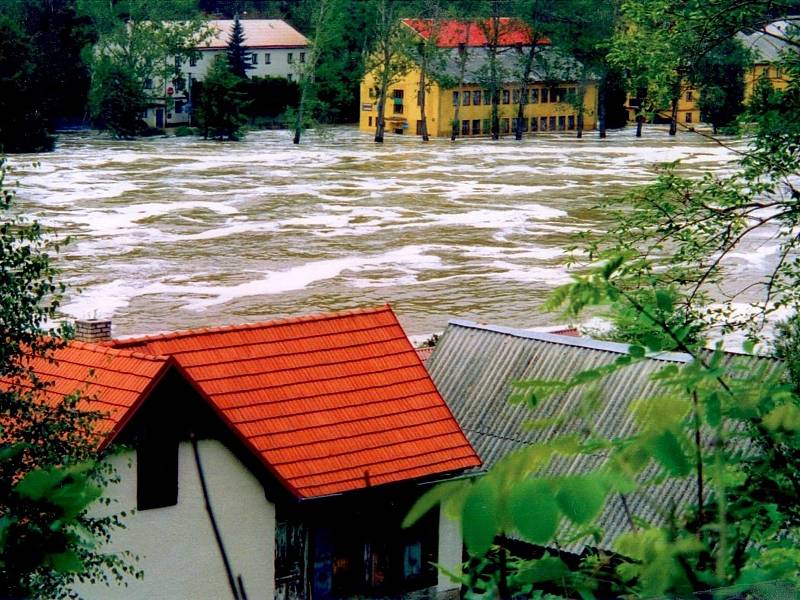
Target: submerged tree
{"x": 116, "y": 99}
{"x": 220, "y": 103}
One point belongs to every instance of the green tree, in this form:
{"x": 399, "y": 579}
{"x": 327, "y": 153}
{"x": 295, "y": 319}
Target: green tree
{"x": 49, "y": 467}
{"x": 238, "y": 56}
{"x": 116, "y": 99}
{"x": 387, "y": 61}
{"x": 23, "y": 127}
{"x": 719, "y": 78}
{"x": 221, "y": 102}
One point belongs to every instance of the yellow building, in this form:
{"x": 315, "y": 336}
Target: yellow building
{"x": 767, "y": 52}
{"x": 548, "y": 106}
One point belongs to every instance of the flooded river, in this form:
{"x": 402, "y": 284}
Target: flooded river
{"x": 180, "y": 232}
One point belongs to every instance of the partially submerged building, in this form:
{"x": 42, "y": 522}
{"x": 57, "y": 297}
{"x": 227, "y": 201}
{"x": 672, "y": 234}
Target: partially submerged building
{"x": 552, "y": 87}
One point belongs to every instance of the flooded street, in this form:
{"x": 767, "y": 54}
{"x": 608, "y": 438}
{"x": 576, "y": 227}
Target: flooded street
{"x": 180, "y": 232}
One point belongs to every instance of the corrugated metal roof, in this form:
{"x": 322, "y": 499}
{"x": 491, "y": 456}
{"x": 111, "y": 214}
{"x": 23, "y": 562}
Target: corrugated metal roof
{"x": 258, "y": 33}
{"x": 330, "y": 402}
{"x": 550, "y": 64}
{"x": 474, "y": 367}
{"x": 766, "y": 47}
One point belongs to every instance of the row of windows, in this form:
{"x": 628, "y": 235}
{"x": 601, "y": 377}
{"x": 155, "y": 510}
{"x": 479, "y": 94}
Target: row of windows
{"x": 484, "y": 126}
{"x": 531, "y": 96}
{"x": 253, "y": 59}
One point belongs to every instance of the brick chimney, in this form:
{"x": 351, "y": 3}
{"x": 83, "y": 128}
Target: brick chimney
{"x": 93, "y": 330}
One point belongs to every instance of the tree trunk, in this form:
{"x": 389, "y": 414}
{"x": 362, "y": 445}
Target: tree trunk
{"x": 298, "y": 122}
{"x": 523, "y": 91}
{"x": 639, "y": 124}
{"x": 601, "y": 108}
{"x": 422, "y": 116}
{"x": 381, "y": 121}
{"x": 456, "y": 118}
{"x": 579, "y": 133}
{"x": 496, "y": 115}
{"x": 673, "y": 121}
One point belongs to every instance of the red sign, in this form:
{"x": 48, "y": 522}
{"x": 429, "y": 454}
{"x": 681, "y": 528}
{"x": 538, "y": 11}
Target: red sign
{"x": 170, "y": 91}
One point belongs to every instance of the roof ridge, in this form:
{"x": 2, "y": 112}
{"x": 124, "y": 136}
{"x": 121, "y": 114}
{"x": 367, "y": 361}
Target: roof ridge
{"x": 107, "y": 348}
{"x": 171, "y": 335}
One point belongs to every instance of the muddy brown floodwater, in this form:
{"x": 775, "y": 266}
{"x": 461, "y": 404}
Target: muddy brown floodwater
{"x": 180, "y": 232}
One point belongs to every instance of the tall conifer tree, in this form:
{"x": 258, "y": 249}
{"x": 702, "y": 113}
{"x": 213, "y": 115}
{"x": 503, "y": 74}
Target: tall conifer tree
{"x": 238, "y": 56}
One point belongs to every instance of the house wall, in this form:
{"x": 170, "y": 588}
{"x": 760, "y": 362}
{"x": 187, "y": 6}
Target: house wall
{"x": 440, "y": 109}
{"x": 279, "y": 65}
{"x": 451, "y": 548}
{"x": 176, "y": 545}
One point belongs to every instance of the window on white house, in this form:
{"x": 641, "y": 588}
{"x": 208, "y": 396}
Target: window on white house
{"x": 302, "y": 57}
{"x": 156, "y": 473}
{"x": 148, "y": 83}
{"x": 254, "y": 58}
{"x": 192, "y": 61}
{"x": 290, "y": 58}
{"x": 178, "y": 62}
{"x": 267, "y": 58}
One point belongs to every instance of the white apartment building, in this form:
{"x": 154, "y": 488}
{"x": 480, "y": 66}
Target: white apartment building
{"x": 276, "y": 48}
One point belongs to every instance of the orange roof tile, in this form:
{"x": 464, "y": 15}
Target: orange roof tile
{"x": 330, "y": 403}
{"x": 111, "y": 381}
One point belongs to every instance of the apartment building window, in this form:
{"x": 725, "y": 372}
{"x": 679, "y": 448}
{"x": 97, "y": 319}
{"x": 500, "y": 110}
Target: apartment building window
{"x": 179, "y": 84}
{"x": 562, "y": 123}
{"x": 476, "y": 127}
{"x": 267, "y": 58}
{"x": 545, "y": 94}
{"x": 534, "y": 124}
{"x": 516, "y": 96}
{"x": 398, "y": 101}
{"x": 290, "y": 58}
{"x": 456, "y": 96}
{"x": 466, "y": 98}
{"x": 476, "y": 97}
{"x": 178, "y": 62}
{"x": 688, "y": 117}
{"x": 504, "y": 126}
{"x": 464, "y": 127}
{"x": 689, "y": 96}
{"x": 534, "y": 96}
{"x": 148, "y": 83}
{"x": 192, "y": 61}
{"x": 487, "y": 97}
{"x": 551, "y": 125}
{"x": 254, "y": 58}
{"x": 525, "y": 124}
{"x": 571, "y": 122}
{"x": 506, "y": 97}
{"x": 179, "y": 106}
{"x": 572, "y": 91}
{"x": 543, "y": 124}
{"x": 302, "y": 57}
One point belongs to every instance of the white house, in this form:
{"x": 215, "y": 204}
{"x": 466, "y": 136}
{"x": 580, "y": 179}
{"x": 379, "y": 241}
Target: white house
{"x": 276, "y": 50}
{"x": 308, "y": 438}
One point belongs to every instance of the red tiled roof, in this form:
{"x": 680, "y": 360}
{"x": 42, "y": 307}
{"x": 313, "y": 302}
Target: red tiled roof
{"x": 424, "y": 353}
{"x": 330, "y": 403}
{"x": 570, "y": 331}
{"x": 452, "y": 33}
{"x": 110, "y": 381}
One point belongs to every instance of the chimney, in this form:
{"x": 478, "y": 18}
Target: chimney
{"x": 93, "y": 330}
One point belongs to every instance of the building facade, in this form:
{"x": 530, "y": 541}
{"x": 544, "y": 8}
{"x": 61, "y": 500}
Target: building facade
{"x": 276, "y": 50}
{"x": 552, "y": 91}
{"x": 297, "y": 446}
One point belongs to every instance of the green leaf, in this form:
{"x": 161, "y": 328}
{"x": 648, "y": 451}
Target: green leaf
{"x": 430, "y": 499}
{"x": 664, "y": 301}
{"x": 713, "y": 407}
{"x": 66, "y": 562}
{"x": 667, "y": 450}
{"x": 785, "y": 417}
{"x": 748, "y": 346}
{"x": 39, "y": 483}
{"x": 653, "y": 342}
{"x": 636, "y": 351}
{"x": 581, "y": 498}
{"x": 534, "y": 511}
{"x": 547, "y": 568}
{"x": 479, "y": 516}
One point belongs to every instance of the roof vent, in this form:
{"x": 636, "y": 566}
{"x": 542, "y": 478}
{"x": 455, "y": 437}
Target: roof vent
{"x": 93, "y": 330}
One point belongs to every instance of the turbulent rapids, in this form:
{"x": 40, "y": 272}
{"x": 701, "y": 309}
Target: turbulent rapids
{"x": 179, "y": 232}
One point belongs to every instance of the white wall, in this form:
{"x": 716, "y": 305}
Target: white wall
{"x": 450, "y": 551}
{"x": 176, "y": 545}
{"x": 279, "y": 65}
